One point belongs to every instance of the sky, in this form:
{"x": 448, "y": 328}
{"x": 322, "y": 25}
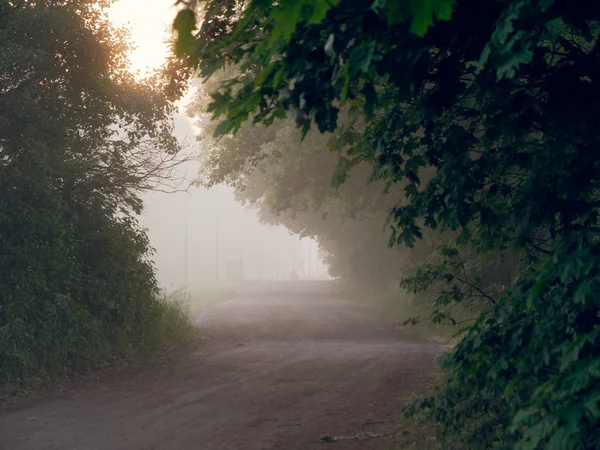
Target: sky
{"x": 149, "y": 23}
{"x": 184, "y": 228}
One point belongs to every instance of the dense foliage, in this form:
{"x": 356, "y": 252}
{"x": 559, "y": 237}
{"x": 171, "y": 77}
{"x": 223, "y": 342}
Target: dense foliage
{"x": 497, "y": 99}
{"x": 80, "y": 137}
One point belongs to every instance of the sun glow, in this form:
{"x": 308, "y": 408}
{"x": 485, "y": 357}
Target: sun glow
{"x": 149, "y": 22}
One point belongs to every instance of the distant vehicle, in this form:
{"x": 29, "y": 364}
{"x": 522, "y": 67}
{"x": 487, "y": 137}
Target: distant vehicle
{"x": 294, "y": 275}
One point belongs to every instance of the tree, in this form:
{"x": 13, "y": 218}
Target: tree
{"x": 80, "y": 138}
{"x": 298, "y": 183}
{"x": 495, "y": 98}
{"x": 289, "y": 182}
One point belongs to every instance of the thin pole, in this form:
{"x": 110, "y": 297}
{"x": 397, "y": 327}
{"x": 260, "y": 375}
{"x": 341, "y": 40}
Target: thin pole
{"x": 185, "y": 241}
{"x": 309, "y": 258}
{"x": 277, "y": 256}
{"x": 217, "y": 250}
{"x": 240, "y": 244}
{"x": 241, "y": 247}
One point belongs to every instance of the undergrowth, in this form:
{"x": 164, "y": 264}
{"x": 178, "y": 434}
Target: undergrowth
{"x": 30, "y": 359}
{"x": 403, "y": 434}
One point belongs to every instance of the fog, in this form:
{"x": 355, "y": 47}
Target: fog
{"x": 266, "y": 252}
{"x": 185, "y": 227}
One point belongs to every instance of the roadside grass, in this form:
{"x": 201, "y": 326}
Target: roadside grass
{"x": 403, "y": 434}
{"x": 170, "y": 326}
{"x": 90, "y": 343}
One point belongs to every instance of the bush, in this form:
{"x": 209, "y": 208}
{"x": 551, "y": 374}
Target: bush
{"x": 497, "y": 395}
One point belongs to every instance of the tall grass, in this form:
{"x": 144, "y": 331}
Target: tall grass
{"x": 74, "y": 340}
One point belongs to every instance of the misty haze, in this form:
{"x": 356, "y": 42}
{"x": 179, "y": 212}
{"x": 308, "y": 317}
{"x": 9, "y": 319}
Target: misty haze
{"x": 184, "y": 229}
{"x": 299, "y": 224}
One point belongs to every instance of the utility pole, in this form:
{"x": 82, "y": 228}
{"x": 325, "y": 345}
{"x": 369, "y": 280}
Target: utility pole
{"x": 277, "y": 254}
{"x": 309, "y": 258}
{"x": 185, "y": 241}
{"x": 240, "y": 243}
{"x": 217, "y": 250}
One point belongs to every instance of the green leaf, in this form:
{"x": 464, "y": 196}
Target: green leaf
{"x": 278, "y": 77}
{"x": 421, "y": 13}
{"x": 185, "y": 21}
{"x": 264, "y": 74}
{"x": 290, "y": 13}
{"x": 341, "y": 171}
{"x": 396, "y": 12}
{"x": 345, "y": 85}
{"x": 184, "y": 24}
{"x": 224, "y": 127}
{"x": 370, "y": 99}
{"x": 592, "y": 406}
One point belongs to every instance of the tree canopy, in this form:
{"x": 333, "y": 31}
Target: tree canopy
{"x": 496, "y": 99}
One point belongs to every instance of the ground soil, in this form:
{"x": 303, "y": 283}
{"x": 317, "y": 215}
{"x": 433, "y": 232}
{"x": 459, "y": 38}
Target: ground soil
{"x": 277, "y": 367}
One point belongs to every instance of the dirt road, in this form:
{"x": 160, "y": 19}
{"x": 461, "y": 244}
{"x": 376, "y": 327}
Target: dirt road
{"x": 277, "y": 367}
